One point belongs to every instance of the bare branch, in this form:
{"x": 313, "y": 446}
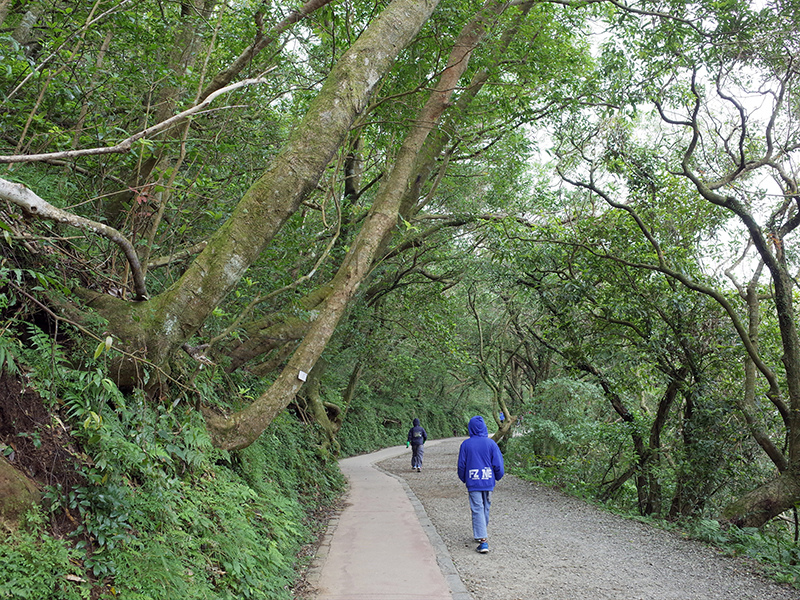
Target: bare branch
{"x": 163, "y": 261}
{"x": 22, "y": 196}
{"x": 58, "y": 50}
{"x": 126, "y": 144}
{"x": 260, "y": 42}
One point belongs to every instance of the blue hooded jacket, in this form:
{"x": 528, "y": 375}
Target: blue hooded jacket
{"x": 417, "y": 434}
{"x": 480, "y": 462}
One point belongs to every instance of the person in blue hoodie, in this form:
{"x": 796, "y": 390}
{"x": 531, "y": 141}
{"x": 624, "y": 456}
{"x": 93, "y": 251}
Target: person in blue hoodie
{"x": 417, "y": 438}
{"x": 480, "y": 466}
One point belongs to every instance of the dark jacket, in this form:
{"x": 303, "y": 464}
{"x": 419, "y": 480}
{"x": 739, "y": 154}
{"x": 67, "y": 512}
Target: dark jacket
{"x": 480, "y": 462}
{"x": 417, "y": 435}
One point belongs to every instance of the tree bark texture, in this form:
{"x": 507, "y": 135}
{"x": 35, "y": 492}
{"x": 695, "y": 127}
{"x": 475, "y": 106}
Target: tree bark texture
{"x": 766, "y": 502}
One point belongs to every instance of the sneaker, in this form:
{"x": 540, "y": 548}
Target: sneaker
{"x": 483, "y": 548}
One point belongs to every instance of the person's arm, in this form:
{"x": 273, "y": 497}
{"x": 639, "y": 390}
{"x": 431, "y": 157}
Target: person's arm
{"x": 498, "y": 466}
{"x": 462, "y": 465}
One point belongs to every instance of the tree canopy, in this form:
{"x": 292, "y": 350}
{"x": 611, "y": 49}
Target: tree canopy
{"x": 579, "y": 213}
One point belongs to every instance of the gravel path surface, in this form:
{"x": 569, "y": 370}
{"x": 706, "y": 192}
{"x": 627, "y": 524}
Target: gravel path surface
{"x": 547, "y": 545}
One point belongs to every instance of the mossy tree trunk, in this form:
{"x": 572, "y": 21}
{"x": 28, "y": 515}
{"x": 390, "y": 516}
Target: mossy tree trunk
{"x": 242, "y": 428}
{"x": 327, "y": 415}
{"x": 265, "y": 335}
{"x": 157, "y": 327}
{"x": 18, "y": 494}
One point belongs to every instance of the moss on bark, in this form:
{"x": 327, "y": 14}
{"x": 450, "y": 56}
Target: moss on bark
{"x": 18, "y": 494}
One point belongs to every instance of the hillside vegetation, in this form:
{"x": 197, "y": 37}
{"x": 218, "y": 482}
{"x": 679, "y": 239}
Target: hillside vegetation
{"x": 132, "y": 499}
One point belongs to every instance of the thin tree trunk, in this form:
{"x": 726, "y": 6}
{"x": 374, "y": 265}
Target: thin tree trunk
{"x": 638, "y": 442}
{"x": 653, "y": 459}
{"x": 326, "y": 415}
{"x": 5, "y": 5}
{"x": 76, "y": 134}
{"x": 23, "y": 33}
{"x": 352, "y": 384}
{"x": 246, "y": 58}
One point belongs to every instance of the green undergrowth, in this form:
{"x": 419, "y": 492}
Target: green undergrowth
{"x": 160, "y": 513}
{"x": 773, "y": 546}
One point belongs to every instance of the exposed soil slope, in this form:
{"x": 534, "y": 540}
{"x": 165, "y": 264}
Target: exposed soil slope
{"x": 36, "y": 442}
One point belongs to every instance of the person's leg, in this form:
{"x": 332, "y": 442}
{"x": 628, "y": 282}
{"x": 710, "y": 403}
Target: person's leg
{"x": 487, "y": 503}
{"x": 414, "y": 456}
{"x": 478, "y": 515}
{"x": 420, "y": 453}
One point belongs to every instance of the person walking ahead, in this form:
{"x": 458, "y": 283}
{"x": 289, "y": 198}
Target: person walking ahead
{"x": 480, "y": 466}
{"x": 416, "y": 438}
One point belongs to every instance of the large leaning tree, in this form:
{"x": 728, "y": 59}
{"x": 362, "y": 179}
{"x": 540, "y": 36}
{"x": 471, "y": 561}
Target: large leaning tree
{"x": 319, "y": 91}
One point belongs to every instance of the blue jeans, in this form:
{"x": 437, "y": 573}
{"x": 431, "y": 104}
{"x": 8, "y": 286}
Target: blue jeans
{"x": 416, "y": 455}
{"x": 479, "y": 503}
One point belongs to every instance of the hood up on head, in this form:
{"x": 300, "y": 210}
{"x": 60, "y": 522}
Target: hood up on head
{"x": 416, "y": 422}
{"x": 477, "y": 427}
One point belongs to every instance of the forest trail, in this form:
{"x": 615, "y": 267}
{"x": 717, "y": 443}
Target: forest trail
{"x": 377, "y": 548}
{"x": 548, "y": 545}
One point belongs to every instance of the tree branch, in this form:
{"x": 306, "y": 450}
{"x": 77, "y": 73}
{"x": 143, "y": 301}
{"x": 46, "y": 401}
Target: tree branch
{"x": 126, "y": 144}
{"x": 22, "y": 196}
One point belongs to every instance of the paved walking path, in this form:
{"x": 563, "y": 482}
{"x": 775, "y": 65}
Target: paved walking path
{"x": 382, "y": 546}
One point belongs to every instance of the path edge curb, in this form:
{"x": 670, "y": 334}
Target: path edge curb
{"x": 446, "y": 565}
{"x": 443, "y": 558}
{"x": 314, "y": 569}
